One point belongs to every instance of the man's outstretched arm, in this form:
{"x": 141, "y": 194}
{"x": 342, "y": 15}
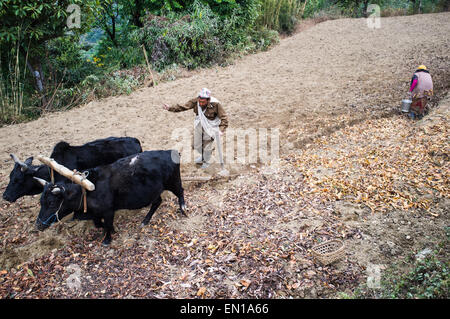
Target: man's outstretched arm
{"x": 181, "y": 107}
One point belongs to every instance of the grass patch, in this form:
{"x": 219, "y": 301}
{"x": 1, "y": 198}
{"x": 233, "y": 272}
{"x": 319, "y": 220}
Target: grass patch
{"x": 422, "y": 278}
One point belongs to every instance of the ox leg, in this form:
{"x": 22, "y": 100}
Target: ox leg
{"x": 180, "y": 194}
{"x": 98, "y": 222}
{"x": 153, "y": 209}
{"x": 109, "y": 228}
{"x": 178, "y": 191}
{"x": 181, "y": 202}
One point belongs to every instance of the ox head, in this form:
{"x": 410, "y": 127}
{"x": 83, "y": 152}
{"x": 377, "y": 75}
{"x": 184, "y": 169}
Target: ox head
{"x": 21, "y": 180}
{"x": 57, "y": 201}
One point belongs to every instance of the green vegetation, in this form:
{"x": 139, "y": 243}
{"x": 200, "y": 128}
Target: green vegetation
{"x": 45, "y": 65}
{"x": 426, "y": 277}
{"x": 280, "y": 15}
{"x": 33, "y": 35}
{"x": 429, "y": 279}
{"x": 359, "y": 8}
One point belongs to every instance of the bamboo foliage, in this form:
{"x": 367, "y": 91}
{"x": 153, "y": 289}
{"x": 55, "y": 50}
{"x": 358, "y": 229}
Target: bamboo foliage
{"x": 270, "y": 12}
{"x": 280, "y": 15}
{"x": 12, "y": 90}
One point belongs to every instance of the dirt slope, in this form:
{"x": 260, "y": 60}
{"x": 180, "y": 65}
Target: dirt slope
{"x": 336, "y": 67}
{"x": 334, "y": 75}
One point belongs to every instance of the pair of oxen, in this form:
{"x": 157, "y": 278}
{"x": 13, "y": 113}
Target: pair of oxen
{"x": 124, "y": 176}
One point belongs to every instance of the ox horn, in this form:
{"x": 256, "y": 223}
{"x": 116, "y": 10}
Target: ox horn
{"x": 41, "y": 181}
{"x": 22, "y": 164}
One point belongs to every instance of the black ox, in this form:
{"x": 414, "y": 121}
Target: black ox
{"x": 92, "y": 154}
{"x": 132, "y": 182}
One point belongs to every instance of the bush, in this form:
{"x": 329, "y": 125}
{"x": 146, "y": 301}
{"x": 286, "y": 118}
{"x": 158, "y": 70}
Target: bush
{"x": 66, "y": 62}
{"x": 200, "y": 38}
{"x": 127, "y": 54}
{"x": 329, "y": 13}
{"x": 315, "y": 6}
{"x": 121, "y": 83}
{"x": 264, "y": 38}
{"x": 189, "y": 41}
{"x": 113, "y": 83}
{"x": 428, "y": 278}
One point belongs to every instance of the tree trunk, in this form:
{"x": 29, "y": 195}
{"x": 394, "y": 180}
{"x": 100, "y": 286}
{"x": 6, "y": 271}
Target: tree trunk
{"x": 413, "y": 5}
{"x": 38, "y": 75}
{"x": 416, "y": 6}
{"x": 112, "y": 32}
{"x": 137, "y": 14}
{"x": 366, "y": 4}
{"x": 446, "y": 6}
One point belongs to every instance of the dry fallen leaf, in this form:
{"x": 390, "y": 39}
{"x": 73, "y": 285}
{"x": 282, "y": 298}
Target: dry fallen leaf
{"x": 246, "y": 283}
{"x": 201, "y": 291}
{"x": 184, "y": 276}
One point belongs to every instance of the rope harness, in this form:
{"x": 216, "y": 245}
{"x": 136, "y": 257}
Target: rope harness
{"x": 84, "y": 176}
{"x": 52, "y": 175}
{"x": 51, "y": 220}
{"x": 55, "y": 215}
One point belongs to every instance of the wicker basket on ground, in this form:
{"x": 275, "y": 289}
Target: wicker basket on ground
{"x": 329, "y": 251}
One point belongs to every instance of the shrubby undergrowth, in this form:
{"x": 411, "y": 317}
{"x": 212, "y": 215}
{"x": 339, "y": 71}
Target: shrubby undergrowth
{"x": 427, "y": 278}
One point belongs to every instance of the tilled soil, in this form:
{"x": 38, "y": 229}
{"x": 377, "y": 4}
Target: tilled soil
{"x": 251, "y": 235}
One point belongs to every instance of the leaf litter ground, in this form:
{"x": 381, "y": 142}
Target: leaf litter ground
{"x": 351, "y": 168}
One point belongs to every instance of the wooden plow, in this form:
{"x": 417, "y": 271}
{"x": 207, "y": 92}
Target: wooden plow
{"x": 81, "y": 180}
{"x": 207, "y": 178}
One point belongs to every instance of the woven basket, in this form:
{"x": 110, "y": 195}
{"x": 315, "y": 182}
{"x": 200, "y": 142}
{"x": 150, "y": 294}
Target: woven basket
{"x": 329, "y": 251}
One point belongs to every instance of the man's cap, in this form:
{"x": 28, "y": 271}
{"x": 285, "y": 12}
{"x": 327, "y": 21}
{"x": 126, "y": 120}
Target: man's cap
{"x": 421, "y": 67}
{"x": 204, "y": 93}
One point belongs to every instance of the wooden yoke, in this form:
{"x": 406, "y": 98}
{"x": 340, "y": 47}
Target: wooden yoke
{"x": 64, "y": 171}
